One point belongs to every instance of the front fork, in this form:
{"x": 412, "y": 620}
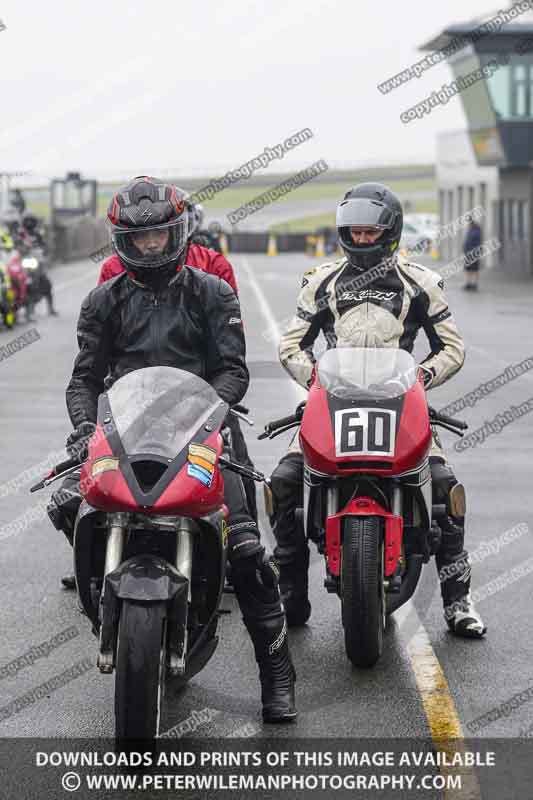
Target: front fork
{"x": 393, "y": 582}
{"x": 184, "y": 553}
{"x": 113, "y": 558}
{"x": 392, "y": 548}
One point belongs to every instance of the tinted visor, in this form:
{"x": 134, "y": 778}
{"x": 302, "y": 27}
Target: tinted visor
{"x": 154, "y": 246}
{"x": 365, "y": 213}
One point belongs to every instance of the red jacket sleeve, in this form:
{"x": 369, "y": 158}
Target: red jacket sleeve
{"x": 212, "y": 262}
{"x": 110, "y": 268}
{"x": 221, "y": 267}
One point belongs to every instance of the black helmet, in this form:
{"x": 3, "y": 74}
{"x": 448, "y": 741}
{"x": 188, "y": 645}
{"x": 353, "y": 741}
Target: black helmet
{"x": 148, "y": 204}
{"x": 30, "y": 222}
{"x": 370, "y": 204}
{"x": 198, "y": 215}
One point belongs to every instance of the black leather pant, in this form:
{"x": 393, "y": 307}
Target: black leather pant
{"x": 292, "y": 551}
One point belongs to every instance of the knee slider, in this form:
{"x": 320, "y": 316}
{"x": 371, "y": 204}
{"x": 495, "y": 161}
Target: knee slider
{"x": 447, "y": 489}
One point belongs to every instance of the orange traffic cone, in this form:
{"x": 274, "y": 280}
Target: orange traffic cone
{"x": 272, "y": 249}
{"x": 320, "y": 251}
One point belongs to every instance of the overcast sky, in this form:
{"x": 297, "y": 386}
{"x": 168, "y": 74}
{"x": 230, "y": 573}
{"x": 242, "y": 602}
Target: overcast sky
{"x": 201, "y": 87}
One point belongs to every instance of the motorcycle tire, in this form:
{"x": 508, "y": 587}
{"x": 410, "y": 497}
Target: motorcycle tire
{"x": 140, "y": 670}
{"x": 362, "y": 590}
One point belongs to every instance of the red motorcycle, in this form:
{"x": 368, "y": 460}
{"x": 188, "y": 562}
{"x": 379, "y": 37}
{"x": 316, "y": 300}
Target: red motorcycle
{"x": 19, "y": 279}
{"x": 366, "y": 435}
{"x": 150, "y": 537}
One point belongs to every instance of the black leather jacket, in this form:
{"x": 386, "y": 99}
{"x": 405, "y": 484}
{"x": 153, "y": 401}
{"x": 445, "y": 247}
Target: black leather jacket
{"x": 194, "y": 324}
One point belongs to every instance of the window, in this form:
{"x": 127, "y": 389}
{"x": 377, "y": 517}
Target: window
{"x": 511, "y": 87}
{"x": 521, "y": 223}
{"x": 483, "y": 196}
{"x": 510, "y": 221}
{"x": 501, "y": 221}
{"x": 520, "y": 85}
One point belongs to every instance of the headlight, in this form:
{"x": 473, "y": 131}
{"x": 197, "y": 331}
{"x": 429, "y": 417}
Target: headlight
{"x": 30, "y": 263}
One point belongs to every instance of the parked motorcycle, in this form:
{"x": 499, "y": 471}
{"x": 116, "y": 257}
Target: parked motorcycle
{"x": 7, "y": 298}
{"x": 366, "y": 435}
{"x": 19, "y": 282}
{"x": 150, "y": 539}
{"x": 34, "y": 263}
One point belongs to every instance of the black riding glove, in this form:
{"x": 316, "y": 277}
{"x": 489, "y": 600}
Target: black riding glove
{"x": 78, "y": 441}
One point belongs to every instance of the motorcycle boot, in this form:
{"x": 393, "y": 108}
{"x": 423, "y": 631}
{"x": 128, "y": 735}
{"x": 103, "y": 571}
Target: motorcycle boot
{"x": 256, "y": 587}
{"x": 255, "y": 580}
{"x": 453, "y": 562}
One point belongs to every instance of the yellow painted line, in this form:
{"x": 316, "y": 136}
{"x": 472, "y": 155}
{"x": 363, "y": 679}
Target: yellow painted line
{"x": 443, "y": 720}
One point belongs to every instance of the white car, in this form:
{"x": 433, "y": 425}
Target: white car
{"x": 429, "y": 223}
{"x": 415, "y": 238}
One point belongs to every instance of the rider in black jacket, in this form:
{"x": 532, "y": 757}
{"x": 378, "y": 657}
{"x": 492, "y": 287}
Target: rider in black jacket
{"x": 161, "y": 313}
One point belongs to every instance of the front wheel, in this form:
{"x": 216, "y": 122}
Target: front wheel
{"x": 140, "y": 670}
{"x": 362, "y": 590}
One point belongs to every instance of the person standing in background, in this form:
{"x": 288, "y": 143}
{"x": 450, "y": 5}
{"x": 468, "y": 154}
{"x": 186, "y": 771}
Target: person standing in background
{"x": 471, "y": 247}
{"x": 18, "y": 201}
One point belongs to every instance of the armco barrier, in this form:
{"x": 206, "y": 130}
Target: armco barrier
{"x": 251, "y": 242}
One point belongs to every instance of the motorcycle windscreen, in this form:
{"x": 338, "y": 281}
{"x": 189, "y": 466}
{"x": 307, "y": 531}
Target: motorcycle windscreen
{"x": 157, "y": 410}
{"x": 357, "y": 373}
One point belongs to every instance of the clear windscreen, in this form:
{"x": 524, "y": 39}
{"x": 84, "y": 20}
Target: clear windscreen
{"x": 157, "y": 410}
{"x": 349, "y": 372}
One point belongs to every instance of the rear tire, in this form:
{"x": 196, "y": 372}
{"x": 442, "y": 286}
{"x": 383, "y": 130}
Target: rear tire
{"x": 362, "y": 590}
{"x": 140, "y": 670}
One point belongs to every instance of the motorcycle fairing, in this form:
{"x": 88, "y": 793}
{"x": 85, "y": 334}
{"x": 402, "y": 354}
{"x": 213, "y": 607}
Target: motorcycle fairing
{"x": 89, "y": 554}
{"x": 202, "y": 436}
{"x": 382, "y": 436}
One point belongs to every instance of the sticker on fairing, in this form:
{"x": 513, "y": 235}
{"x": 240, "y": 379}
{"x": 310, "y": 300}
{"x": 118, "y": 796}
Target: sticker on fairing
{"x": 365, "y": 432}
{"x": 200, "y": 474}
{"x": 201, "y": 464}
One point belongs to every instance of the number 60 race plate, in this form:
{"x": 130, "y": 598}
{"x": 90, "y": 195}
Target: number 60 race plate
{"x": 365, "y": 432}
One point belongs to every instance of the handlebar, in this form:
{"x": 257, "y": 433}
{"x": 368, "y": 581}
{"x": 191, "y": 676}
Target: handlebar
{"x": 241, "y": 469}
{"x": 436, "y": 416}
{"x": 284, "y": 422}
{"x": 56, "y": 472}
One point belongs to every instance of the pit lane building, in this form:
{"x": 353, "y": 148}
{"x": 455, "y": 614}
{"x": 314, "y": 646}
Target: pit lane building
{"x": 491, "y": 163}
